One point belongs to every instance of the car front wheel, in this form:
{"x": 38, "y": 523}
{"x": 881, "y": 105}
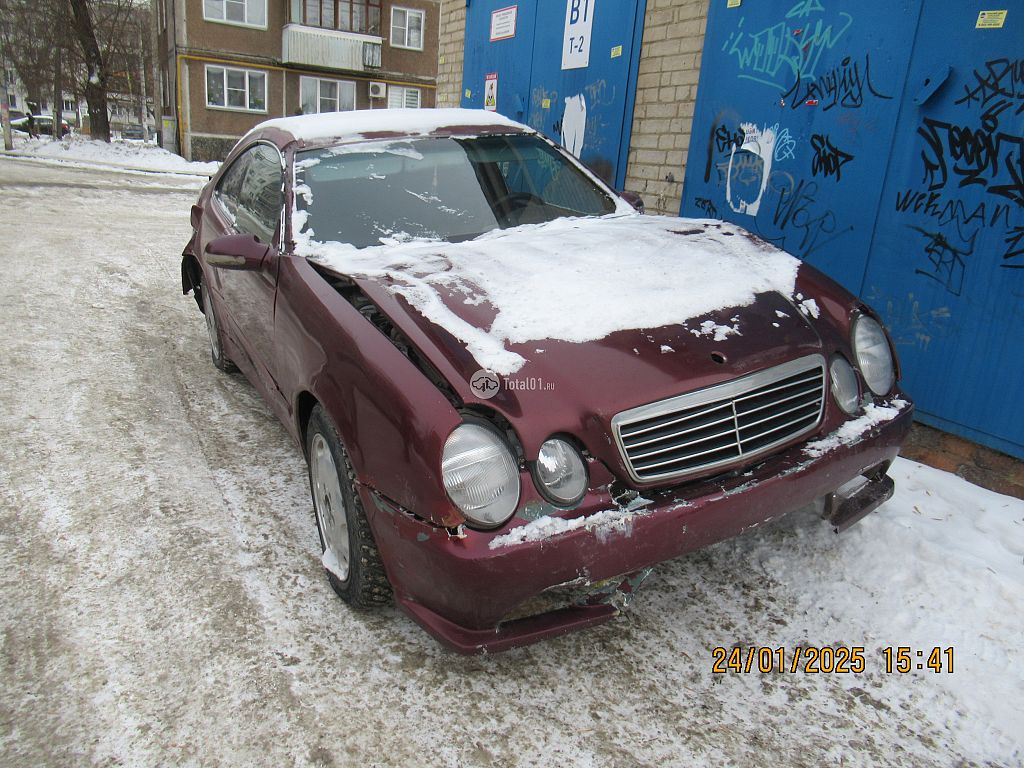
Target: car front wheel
{"x": 350, "y": 554}
{"x": 220, "y": 360}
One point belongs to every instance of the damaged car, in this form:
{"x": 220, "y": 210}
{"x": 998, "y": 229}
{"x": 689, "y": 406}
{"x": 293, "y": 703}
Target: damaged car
{"x": 517, "y": 395}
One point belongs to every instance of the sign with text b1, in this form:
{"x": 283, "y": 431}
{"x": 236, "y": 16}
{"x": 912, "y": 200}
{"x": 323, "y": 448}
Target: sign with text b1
{"x": 579, "y": 20}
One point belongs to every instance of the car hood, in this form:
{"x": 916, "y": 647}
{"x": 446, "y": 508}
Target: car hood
{"x": 555, "y": 373}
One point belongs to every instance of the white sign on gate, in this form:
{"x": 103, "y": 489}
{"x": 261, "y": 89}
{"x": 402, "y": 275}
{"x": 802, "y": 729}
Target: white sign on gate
{"x": 579, "y": 20}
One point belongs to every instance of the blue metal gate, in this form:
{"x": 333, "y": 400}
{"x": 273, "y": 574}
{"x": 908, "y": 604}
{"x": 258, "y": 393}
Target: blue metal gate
{"x": 569, "y": 71}
{"x": 885, "y": 145}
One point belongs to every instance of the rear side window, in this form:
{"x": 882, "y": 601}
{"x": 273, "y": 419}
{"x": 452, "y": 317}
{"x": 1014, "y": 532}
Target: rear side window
{"x": 251, "y": 192}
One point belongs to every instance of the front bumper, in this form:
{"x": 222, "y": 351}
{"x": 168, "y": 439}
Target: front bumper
{"x": 463, "y": 590}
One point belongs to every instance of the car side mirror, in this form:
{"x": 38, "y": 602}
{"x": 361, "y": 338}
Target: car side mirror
{"x": 236, "y": 252}
{"x": 635, "y": 200}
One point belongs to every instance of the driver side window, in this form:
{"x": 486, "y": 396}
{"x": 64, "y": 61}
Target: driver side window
{"x": 252, "y": 194}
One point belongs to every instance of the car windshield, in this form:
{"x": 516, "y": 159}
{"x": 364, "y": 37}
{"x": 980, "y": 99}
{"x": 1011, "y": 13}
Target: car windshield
{"x": 438, "y": 188}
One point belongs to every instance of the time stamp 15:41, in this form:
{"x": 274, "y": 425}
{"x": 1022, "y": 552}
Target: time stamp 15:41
{"x": 827, "y": 659}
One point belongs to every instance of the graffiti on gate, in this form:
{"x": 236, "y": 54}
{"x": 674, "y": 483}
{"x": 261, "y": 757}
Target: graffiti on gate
{"x": 828, "y": 160}
{"x": 785, "y": 209}
{"x": 845, "y": 86}
{"x": 1000, "y": 80}
{"x": 791, "y": 47}
{"x": 947, "y": 261}
{"x": 972, "y": 175}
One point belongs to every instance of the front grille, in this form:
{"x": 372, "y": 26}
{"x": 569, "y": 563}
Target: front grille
{"x": 720, "y": 425}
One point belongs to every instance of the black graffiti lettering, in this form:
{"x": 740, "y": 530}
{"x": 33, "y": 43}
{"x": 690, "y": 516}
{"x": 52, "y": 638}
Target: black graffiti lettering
{"x": 1014, "y": 247}
{"x": 976, "y": 156}
{"x": 842, "y": 86}
{"x": 1014, "y": 189}
{"x": 721, "y": 139}
{"x": 797, "y": 209}
{"x": 946, "y": 261}
{"x": 828, "y": 159}
{"x": 1001, "y": 81}
{"x": 950, "y": 210}
{"x": 705, "y": 205}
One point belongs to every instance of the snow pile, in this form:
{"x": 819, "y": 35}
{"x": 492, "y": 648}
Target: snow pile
{"x": 603, "y": 523}
{"x": 627, "y": 271}
{"x": 82, "y": 151}
{"x": 851, "y": 431}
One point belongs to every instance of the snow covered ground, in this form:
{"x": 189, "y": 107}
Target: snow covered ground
{"x": 83, "y": 152}
{"x": 162, "y": 600}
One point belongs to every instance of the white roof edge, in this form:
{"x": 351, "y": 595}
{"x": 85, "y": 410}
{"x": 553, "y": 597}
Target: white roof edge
{"x": 356, "y": 123}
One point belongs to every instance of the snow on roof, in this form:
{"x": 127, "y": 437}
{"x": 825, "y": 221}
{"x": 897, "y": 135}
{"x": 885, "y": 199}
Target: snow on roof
{"x": 416, "y": 122}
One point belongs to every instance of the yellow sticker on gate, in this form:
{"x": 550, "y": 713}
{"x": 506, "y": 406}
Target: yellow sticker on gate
{"x": 991, "y": 20}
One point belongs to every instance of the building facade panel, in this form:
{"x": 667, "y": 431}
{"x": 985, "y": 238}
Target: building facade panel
{"x": 300, "y": 46}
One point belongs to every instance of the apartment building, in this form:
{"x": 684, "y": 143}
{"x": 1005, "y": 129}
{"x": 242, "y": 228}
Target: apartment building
{"x": 226, "y": 65}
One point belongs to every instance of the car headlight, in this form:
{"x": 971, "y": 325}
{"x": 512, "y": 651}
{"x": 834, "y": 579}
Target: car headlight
{"x": 480, "y": 475}
{"x": 844, "y": 385}
{"x": 874, "y": 358}
{"x": 560, "y": 471}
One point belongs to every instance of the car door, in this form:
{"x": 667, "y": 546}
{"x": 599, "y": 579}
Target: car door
{"x": 249, "y": 200}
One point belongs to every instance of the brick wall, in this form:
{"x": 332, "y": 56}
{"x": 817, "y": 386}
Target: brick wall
{"x": 665, "y": 95}
{"x": 450, "y": 53}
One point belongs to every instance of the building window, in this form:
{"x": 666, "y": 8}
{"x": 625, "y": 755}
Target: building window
{"x": 400, "y": 96}
{"x": 361, "y": 16}
{"x": 250, "y": 13}
{"x": 318, "y": 95}
{"x": 407, "y": 28}
{"x": 69, "y": 105}
{"x": 12, "y": 101}
{"x": 240, "y": 89}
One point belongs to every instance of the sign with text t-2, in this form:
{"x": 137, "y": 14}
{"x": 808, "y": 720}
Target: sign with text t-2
{"x": 579, "y": 19}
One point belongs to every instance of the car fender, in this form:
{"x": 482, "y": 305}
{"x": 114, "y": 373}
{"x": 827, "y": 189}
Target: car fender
{"x": 391, "y": 418}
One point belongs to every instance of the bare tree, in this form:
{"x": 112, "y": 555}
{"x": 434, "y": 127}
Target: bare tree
{"x": 94, "y": 44}
{"x": 33, "y": 36}
{"x": 96, "y": 72}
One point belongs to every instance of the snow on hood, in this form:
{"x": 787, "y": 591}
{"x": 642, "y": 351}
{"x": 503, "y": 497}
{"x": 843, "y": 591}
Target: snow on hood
{"x": 572, "y": 279}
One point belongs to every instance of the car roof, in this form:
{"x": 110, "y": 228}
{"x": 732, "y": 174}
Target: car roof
{"x": 358, "y": 125}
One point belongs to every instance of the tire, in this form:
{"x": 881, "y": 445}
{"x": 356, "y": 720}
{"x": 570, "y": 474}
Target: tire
{"x": 350, "y": 554}
{"x": 216, "y": 335}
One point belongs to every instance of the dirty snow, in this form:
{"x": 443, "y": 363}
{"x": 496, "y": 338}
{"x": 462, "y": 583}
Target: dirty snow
{"x": 662, "y": 278}
{"x": 162, "y": 599}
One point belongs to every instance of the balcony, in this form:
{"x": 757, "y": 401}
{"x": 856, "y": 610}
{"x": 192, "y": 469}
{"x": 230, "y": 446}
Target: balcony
{"x": 329, "y": 49}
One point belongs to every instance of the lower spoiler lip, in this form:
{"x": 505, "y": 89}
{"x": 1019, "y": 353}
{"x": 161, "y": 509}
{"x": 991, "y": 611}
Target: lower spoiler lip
{"x": 843, "y": 510}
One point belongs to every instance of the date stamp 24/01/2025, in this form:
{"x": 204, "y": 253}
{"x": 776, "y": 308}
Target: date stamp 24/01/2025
{"x": 828, "y": 659}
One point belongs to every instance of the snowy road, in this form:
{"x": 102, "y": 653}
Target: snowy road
{"x": 162, "y": 601}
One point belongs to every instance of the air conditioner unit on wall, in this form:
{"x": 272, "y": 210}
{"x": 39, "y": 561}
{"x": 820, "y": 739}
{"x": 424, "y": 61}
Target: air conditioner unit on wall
{"x": 378, "y": 90}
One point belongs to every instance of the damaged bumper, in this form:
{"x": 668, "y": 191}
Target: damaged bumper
{"x": 474, "y": 592}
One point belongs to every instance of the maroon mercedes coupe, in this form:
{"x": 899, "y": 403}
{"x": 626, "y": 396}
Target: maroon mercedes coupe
{"x": 516, "y": 394}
